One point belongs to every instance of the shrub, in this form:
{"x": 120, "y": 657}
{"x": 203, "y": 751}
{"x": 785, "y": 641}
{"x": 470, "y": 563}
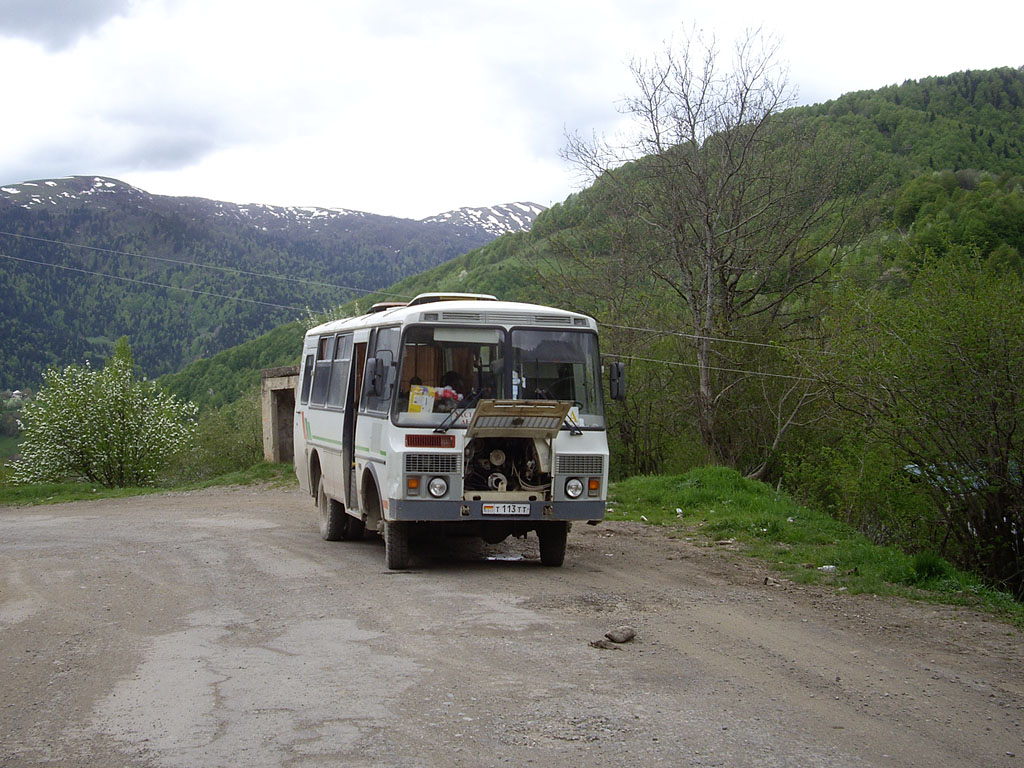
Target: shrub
{"x": 104, "y": 426}
{"x": 228, "y": 439}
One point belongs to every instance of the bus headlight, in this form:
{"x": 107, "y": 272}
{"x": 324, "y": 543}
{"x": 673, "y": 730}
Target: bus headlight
{"x": 573, "y": 487}
{"x": 438, "y": 487}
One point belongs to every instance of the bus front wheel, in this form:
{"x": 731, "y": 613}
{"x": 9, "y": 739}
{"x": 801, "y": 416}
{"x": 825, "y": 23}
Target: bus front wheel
{"x": 552, "y": 537}
{"x": 396, "y": 544}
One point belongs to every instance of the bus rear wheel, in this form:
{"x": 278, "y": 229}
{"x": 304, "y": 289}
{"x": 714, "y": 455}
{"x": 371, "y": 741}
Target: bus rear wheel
{"x": 332, "y": 515}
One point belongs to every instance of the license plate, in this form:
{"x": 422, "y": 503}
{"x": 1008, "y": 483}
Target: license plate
{"x": 506, "y": 509}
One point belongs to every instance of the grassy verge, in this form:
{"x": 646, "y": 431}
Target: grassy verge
{"x": 715, "y": 505}
{"x": 282, "y": 475}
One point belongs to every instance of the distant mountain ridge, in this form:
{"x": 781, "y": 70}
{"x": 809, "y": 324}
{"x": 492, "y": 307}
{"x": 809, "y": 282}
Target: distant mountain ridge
{"x": 87, "y": 259}
{"x": 497, "y": 219}
{"x": 68, "y": 191}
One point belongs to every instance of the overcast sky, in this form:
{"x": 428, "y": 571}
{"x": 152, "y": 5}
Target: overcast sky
{"x": 406, "y": 108}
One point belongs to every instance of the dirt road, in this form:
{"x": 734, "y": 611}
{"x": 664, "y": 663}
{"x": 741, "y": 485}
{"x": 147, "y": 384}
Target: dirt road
{"x": 215, "y": 628}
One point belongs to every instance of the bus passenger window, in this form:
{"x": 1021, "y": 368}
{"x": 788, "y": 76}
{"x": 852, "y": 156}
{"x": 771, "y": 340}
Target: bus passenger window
{"x": 307, "y": 379}
{"x": 322, "y": 372}
{"x": 339, "y": 373}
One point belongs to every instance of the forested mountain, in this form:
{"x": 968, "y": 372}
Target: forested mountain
{"x": 966, "y": 120}
{"x": 85, "y": 260}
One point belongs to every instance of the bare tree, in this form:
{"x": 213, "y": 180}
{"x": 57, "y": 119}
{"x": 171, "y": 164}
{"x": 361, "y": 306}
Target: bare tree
{"x": 737, "y": 207}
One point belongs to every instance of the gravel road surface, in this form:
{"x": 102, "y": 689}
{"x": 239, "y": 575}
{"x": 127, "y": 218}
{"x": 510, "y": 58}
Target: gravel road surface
{"x": 216, "y": 628}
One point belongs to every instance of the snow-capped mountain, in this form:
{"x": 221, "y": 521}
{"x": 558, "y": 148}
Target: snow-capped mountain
{"x": 102, "y": 192}
{"x": 496, "y": 219}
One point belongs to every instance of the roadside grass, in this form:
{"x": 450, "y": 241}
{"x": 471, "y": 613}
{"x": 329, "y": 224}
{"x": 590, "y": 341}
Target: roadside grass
{"x": 275, "y": 475}
{"x": 278, "y": 475}
{"x": 716, "y": 506}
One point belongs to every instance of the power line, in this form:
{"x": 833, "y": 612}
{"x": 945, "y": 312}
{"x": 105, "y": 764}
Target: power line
{"x": 700, "y": 337}
{"x": 152, "y": 284}
{"x": 711, "y": 367}
{"x": 193, "y": 264}
{"x": 306, "y": 281}
{"x": 233, "y": 270}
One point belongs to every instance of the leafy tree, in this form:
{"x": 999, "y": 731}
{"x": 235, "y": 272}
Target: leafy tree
{"x": 961, "y": 214}
{"x": 105, "y": 426}
{"x": 935, "y": 374}
{"x": 727, "y": 211}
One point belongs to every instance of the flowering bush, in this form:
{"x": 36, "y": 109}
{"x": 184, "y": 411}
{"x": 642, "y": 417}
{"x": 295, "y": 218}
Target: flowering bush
{"x": 104, "y": 426}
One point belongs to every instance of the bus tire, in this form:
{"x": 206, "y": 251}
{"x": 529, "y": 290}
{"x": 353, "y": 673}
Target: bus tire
{"x": 552, "y": 537}
{"x": 396, "y": 544}
{"x": 332, "y": 515}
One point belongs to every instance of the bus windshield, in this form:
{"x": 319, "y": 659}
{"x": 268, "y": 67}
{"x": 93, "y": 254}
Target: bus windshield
{"x": 444, "y": 368}
{"x": 558, "y": 365}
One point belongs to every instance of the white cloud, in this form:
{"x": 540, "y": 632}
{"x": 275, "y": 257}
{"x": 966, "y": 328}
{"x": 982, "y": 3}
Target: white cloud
{"x": 401, "y": 108}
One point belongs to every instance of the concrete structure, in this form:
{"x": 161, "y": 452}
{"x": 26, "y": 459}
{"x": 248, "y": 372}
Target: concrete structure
{"x": 278, "y": 409}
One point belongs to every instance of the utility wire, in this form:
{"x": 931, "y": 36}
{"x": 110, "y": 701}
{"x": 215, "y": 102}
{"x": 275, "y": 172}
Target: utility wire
{"x": 711, "y": 367}
{"x": 700, "y": 337}
{"x": 231, "y": 270}
{"x": 306, "y": 281}
{"x": 152, "y": 284}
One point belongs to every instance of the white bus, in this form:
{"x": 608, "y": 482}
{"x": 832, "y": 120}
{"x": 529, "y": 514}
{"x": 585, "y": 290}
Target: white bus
{"x": 484, "y": 416}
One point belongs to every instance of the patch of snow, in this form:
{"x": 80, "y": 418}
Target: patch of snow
{"x": 10, "y": 190}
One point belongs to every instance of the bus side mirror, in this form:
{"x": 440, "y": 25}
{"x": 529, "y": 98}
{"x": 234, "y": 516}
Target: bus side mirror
{"x": 376, "y": 370}
{"x": 617, "y": 380}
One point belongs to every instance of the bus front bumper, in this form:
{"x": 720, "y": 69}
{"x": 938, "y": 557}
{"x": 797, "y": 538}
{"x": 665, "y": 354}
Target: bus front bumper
{"x": 430, "y": 510}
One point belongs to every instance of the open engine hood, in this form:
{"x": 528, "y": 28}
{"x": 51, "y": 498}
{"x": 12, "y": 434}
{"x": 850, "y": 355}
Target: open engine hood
{"x": 518, "y": 418}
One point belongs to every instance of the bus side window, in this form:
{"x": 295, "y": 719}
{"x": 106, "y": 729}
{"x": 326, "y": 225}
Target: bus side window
{"x": 338, "y": 389}
{"x": 322, "y": 371}
{"x": 307, "y": 379}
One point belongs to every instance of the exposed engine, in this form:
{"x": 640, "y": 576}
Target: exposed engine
{"x": 503, "y": 465}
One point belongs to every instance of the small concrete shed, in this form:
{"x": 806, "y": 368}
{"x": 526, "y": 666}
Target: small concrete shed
{"x": 278, "y": 405}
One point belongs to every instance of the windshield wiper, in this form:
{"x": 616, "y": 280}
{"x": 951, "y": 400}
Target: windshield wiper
{"x": 570, "y": 422}
{"x": 467, "y": 402}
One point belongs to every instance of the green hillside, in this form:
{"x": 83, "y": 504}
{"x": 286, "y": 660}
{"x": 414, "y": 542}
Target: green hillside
{"x": 963, "y": 120}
